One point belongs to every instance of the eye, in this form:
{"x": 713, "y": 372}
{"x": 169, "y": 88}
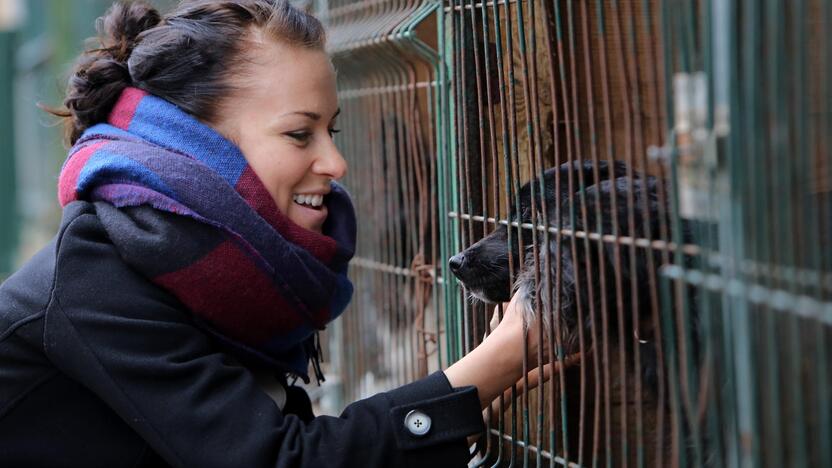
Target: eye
{"x": 333, "y": 131}
{"x": 301, "y": 136}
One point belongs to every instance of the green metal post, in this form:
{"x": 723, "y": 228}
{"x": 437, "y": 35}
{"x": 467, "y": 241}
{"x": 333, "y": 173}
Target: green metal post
{"x": 8, "y": 203}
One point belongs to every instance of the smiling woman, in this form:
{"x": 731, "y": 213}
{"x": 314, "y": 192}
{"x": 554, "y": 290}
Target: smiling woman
{"x": 204, "y": 243}
{"x": 283, "y": 120}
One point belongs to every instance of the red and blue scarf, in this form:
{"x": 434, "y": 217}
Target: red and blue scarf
{"x": 251, "y": 277}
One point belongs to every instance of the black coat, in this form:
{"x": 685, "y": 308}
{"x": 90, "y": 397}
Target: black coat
{"x": 99, "y": 367}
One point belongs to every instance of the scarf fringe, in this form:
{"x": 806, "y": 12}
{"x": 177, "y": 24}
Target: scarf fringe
{"x": 317, "y": 358}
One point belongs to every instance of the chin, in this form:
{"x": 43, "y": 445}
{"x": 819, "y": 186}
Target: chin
{"x": 318, "y": 229}
{"x": 303, "y": 225}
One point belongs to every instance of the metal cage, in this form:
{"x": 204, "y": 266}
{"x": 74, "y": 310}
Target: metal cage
{"x": 705, "y": 259}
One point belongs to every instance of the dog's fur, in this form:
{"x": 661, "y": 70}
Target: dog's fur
{"x": 484, "y": 267}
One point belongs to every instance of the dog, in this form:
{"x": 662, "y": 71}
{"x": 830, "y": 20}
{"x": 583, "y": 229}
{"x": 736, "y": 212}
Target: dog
{"x": 484, "y": 268}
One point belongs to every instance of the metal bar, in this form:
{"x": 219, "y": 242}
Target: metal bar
{"x": 8, "y": 185}
{"x": 476, "y": 5}
{"x": 543, "y": 453}
{"x": 362, "y": 92}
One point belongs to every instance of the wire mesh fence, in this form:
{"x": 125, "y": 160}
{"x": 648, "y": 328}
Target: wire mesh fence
{"x": 387, "y": 63}
{"x": 652, "y": 177}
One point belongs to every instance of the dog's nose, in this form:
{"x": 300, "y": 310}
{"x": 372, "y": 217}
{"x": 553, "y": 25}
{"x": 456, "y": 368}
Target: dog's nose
{"x": 456, "y": 262}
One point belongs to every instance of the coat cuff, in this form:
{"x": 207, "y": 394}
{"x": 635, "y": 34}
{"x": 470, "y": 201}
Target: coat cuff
{"x": 453, "y": 414}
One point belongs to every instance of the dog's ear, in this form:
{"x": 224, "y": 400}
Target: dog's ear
{"x": 591, "y": 173}
{"x": 614, "y": 200}
{"x": 556, "y": 185}
{"x": 556, "y": 190}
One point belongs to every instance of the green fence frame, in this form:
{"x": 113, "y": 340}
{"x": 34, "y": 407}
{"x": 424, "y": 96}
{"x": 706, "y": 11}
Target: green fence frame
{"x": 8, "y": 199}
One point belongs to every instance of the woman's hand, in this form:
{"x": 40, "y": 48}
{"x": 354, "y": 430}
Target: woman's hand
{"x": 533, "y": 379}
{"x": 536, "y": 374}
{"x": 514, "y": 323}
{"x": 497, "y": 363}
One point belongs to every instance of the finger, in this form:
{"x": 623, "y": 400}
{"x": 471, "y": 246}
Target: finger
{"x": 510, "y": 306}
{"x": 550, "y": 368}
{"x": 495, "y": 318}
{"x": 534, "y": 378}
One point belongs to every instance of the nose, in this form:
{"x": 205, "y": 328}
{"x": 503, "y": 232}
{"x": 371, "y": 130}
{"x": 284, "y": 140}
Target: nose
{"x": 331, "y": 162}
{"x": 456, "y": 262}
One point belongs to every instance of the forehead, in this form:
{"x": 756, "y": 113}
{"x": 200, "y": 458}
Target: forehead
{"x": 287, "y": 78}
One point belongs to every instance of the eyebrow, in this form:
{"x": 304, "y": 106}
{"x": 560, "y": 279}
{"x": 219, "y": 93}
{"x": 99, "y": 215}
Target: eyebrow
{"x": 313, "y": 115}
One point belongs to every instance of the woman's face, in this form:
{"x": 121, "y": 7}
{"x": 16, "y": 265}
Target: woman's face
{"x": 282, "y": 118}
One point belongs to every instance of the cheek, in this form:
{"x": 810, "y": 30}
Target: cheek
{"x": 280, "y": 165}
{"x": 269, "y": 175}
{"x": 283, "y": 173}
{"x": 289, "y": 172}
{"x": 281, "y": 189}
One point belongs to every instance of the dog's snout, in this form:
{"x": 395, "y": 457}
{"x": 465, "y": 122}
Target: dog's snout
{"x": 456, "y": 262}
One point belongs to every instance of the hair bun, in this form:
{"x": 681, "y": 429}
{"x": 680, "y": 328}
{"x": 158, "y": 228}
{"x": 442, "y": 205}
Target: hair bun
{"x": 101, "y": 73}
{"x": 119, "y": 29}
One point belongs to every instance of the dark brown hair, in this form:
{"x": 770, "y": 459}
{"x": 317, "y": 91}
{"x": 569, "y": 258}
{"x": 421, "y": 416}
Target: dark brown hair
{"x": 187, "y": 57}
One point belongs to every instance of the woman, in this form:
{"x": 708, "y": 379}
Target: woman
{"x": 203, "y": 243}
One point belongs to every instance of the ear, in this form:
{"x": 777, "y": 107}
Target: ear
{"x": 591, "y": 172}
{"x": 614, "y": 198}
{"x": 556, "y": 180}
{"x": 596, "y": 184}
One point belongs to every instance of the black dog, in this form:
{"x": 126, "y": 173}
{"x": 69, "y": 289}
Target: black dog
{"x": 483, "y": 268}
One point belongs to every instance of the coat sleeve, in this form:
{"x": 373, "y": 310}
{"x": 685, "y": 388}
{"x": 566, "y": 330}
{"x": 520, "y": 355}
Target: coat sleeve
{"x": 130, "y": 343}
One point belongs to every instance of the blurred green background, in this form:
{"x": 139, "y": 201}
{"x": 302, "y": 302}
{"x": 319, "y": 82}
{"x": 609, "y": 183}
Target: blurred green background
{"x": 39, "y": 41}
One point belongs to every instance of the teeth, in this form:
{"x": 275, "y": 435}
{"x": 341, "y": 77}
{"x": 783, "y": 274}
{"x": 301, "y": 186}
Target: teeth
{"x": 312, "y": 200}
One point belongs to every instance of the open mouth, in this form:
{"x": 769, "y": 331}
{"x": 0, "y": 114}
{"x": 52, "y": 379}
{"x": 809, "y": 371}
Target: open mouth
{"x": 310, "y": 211}
{"x": 313, "y": 202}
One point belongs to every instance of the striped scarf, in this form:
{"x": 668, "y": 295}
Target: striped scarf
{"x": 253, "y": 279}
